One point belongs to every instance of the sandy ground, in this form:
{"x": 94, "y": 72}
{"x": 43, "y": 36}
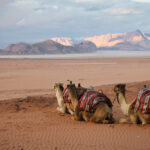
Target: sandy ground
{"x": 29, "y": 120}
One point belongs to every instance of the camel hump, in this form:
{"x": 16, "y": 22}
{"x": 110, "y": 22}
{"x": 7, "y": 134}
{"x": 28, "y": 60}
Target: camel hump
{"x": 142, "y": 101}
{"x": 91, "y": 99}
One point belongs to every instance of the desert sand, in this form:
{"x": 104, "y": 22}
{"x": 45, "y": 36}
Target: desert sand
{"x": 30, "y": 121}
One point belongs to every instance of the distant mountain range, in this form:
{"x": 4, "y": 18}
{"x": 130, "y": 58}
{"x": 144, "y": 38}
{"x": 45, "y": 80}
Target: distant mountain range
{"x": 121, "y": 41}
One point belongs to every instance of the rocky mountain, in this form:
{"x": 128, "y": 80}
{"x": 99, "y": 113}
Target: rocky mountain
{"x": 135, "y": 40}
{"x": 147, "y": 36}
{"x": 121, "y": 41}
{"x": 110, "y": 40}
{"x": 67, "y": 41}
{"x": 47, "y": 47}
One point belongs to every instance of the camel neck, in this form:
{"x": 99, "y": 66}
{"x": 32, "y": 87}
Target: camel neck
{"x": 74, "y": 98}
{"x": 123, "y": 104}
{"x": 59, "y": 93}
{"x": 121, "y": 99}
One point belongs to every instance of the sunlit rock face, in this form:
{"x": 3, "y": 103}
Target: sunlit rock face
{"x": 129, "y": 41}
{"x": 109, "y": 40}
{"x": 63, "y": 40}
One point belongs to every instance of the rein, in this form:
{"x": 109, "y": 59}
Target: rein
{"x": 115, "y": 98}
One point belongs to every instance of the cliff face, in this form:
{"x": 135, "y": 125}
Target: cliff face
{"x": 122, "y": 41}
{"x": 63, "y": 40}
{"x": 110, "y": 40}
{"x": 47, "y": 47}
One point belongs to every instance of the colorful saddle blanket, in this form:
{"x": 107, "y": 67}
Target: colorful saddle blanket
{"x": 90, "y": 99}
{"x": 66, "y": 95}
{"x": 142, "y": 102}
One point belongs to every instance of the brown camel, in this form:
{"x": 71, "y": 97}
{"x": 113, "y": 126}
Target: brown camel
{"x": 101, "y": 113}
{"x": 64, "y": 103}
{"x": 131, "y": 110}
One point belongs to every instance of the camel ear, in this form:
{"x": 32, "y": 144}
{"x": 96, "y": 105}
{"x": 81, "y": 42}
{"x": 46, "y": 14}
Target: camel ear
{"x": 79, "y": 85}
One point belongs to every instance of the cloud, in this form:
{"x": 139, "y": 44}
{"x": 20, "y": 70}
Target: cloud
{"x": 29, "y": 19}
{"x": 122, "y": 11}
{"x": 27, "y": 12}
{"x": 96, "y": 1}
{"x": 141, "y": 1}
{"x": 88, "y": 1}
{"x": 5, "y": 2}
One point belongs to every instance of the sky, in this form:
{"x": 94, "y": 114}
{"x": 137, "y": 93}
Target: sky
{"x": 37, "y": 20}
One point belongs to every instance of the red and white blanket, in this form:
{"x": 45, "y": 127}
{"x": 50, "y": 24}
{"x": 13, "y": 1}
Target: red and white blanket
{"x": 142, "y": 102}
{"x": 66, "y": 96}
{"x": 90, "y": 99}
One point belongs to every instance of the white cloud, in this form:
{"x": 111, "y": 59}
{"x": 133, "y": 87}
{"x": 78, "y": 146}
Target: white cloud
{"x": 95, "y": 1}
{"x": 27, "y": 13}
{"x": 5, "y": 2}
{"x": 87, "y": 1}
{"x": 141, "y": 1}
{"x": 55, "y": 6}
{"x": 122, "y": 11}
{"x": 70, "y": 17}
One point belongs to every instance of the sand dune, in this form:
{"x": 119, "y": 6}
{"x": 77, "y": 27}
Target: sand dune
{"x": 20, "y": 78}
{"x": 30, "y": 121}
{"x": 33, "y": 123}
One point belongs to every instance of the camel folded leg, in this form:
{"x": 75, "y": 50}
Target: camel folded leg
{"x": 124, "y": 121}
{"x": 142, "y": 118}
{"x": 61, "y": 109}
{"x": 86, "y": 115}
{"x": 132, "y": 119}
{"x": 102, "y": 114}
{"x": 78, "y": 117}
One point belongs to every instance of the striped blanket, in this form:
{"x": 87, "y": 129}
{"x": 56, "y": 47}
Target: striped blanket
{"x": 90, "y": 99}
{"x": 142, "y": 102}
{"x": 66, "y": 95}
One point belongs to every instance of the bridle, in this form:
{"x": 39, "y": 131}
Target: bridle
{"x": 115, "y": 98}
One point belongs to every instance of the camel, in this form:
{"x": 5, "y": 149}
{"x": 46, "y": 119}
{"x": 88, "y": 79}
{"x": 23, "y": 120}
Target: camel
{"x": 102, "y": 112}
{"x": 133, "y": 116}
{"x": 64, "y": 104}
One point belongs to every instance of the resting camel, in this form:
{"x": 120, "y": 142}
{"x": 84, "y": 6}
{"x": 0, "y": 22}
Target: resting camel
{"x": 64, "y": 103}
{"x": 62, "y": 106}
{"x": 136, "y": 112}
{"x": 98, "y": 110}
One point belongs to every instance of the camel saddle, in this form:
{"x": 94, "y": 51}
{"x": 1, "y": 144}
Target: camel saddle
{"x": 142, "y": 102}
{"x": 90, "y": 99}
{"x": 66, "y": 95}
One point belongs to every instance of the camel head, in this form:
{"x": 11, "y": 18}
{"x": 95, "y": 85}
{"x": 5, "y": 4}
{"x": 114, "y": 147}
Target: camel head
{"x": 59, "y": 87}
{"x": 120, "y": 88}
{"x": 71, "y": 89}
